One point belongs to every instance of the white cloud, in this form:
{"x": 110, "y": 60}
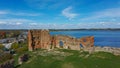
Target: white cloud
{"x": 26, "y": 14}
{"x": 10, "y": 23}
{"x": 18, "y": 23}
{"x": 14, "y": 21}
{"x": 19, "y": 13}
{"x": 113, "y": 12}
{"x": 101, "y": 23}
{"x": 107, "y": 13}
{"x": 17, "y": 20}
{"x": 67, "y": 12}
{"x": 37, "y": 25}
{"x": 3, "y": 12}
{"x": 33, "y": 24}
{"x": 2, "y": 22}
{"x": 118, "y": 23}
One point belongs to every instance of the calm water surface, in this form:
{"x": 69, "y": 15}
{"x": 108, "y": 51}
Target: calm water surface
{"x": 102, "y": 37}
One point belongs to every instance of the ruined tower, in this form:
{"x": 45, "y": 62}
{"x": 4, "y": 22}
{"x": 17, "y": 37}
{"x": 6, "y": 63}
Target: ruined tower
{"x": 39, "y": 39}
{"x": 42, "y": 39}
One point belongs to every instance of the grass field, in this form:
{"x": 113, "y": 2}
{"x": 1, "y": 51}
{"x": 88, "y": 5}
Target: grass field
{"x": 61, "y": 58}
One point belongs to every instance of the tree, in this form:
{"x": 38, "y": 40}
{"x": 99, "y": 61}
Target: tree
{"x": 19, "y": 47}
{"x": 5, "y": 56}
{"x": 2, "y": 46}
{"x": 14, "y": 46}
{"x": 21, "y": 50}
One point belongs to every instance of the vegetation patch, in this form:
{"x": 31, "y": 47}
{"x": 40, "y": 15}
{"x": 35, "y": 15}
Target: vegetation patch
{"x": 62, "y": 58}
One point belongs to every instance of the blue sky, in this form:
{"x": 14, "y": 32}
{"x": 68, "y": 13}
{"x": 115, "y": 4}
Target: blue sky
{"x": 59, "y": 14}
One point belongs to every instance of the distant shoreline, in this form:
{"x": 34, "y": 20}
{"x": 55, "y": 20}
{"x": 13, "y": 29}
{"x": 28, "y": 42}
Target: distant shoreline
{"x": 83, "y": 29}
{"x": 95, "y": 29}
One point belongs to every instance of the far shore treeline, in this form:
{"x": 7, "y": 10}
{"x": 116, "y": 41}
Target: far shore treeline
{"x": 112, "y": 29}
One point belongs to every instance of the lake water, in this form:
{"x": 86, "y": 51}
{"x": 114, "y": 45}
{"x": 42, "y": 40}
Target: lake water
{"x": 102, "y": 37}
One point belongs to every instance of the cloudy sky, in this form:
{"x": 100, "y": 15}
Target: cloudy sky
{"x": 59, "y": 14}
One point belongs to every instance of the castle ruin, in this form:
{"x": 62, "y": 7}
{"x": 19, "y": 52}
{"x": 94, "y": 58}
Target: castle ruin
{"x": 42, "y": 39}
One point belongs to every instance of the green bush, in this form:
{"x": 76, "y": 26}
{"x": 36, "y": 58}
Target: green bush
{"x": 24, "y": 57}
{"x": 14, "y": 46}
{"x": 1, "y": 46}
{"x": 19, "y": 47}
{"x": 22, "y": 49}
{"x": 4, "y": 57}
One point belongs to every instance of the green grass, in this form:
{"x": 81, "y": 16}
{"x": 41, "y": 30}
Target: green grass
{"x": 71, "y": 59}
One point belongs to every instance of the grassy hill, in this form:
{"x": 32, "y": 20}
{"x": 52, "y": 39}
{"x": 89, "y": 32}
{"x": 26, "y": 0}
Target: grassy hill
{"x": 61, "y": 58}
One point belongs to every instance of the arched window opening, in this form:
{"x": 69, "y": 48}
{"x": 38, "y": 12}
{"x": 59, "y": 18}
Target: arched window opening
{"x": 61, "y": 43}
{"x": 81, "y": 46}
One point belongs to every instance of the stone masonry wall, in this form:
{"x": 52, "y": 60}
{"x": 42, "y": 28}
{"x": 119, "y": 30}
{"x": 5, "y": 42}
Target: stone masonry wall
{"x": 42, "y": 39}
{"x": 39, "y": 39}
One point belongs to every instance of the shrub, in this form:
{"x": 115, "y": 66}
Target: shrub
{"x": 5, "y": 56}
{"x": 24, "y": 57}
{"x": 1, "y": 46}
{"x": 21, "y": 49}
{"x": 14, "y": 46}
